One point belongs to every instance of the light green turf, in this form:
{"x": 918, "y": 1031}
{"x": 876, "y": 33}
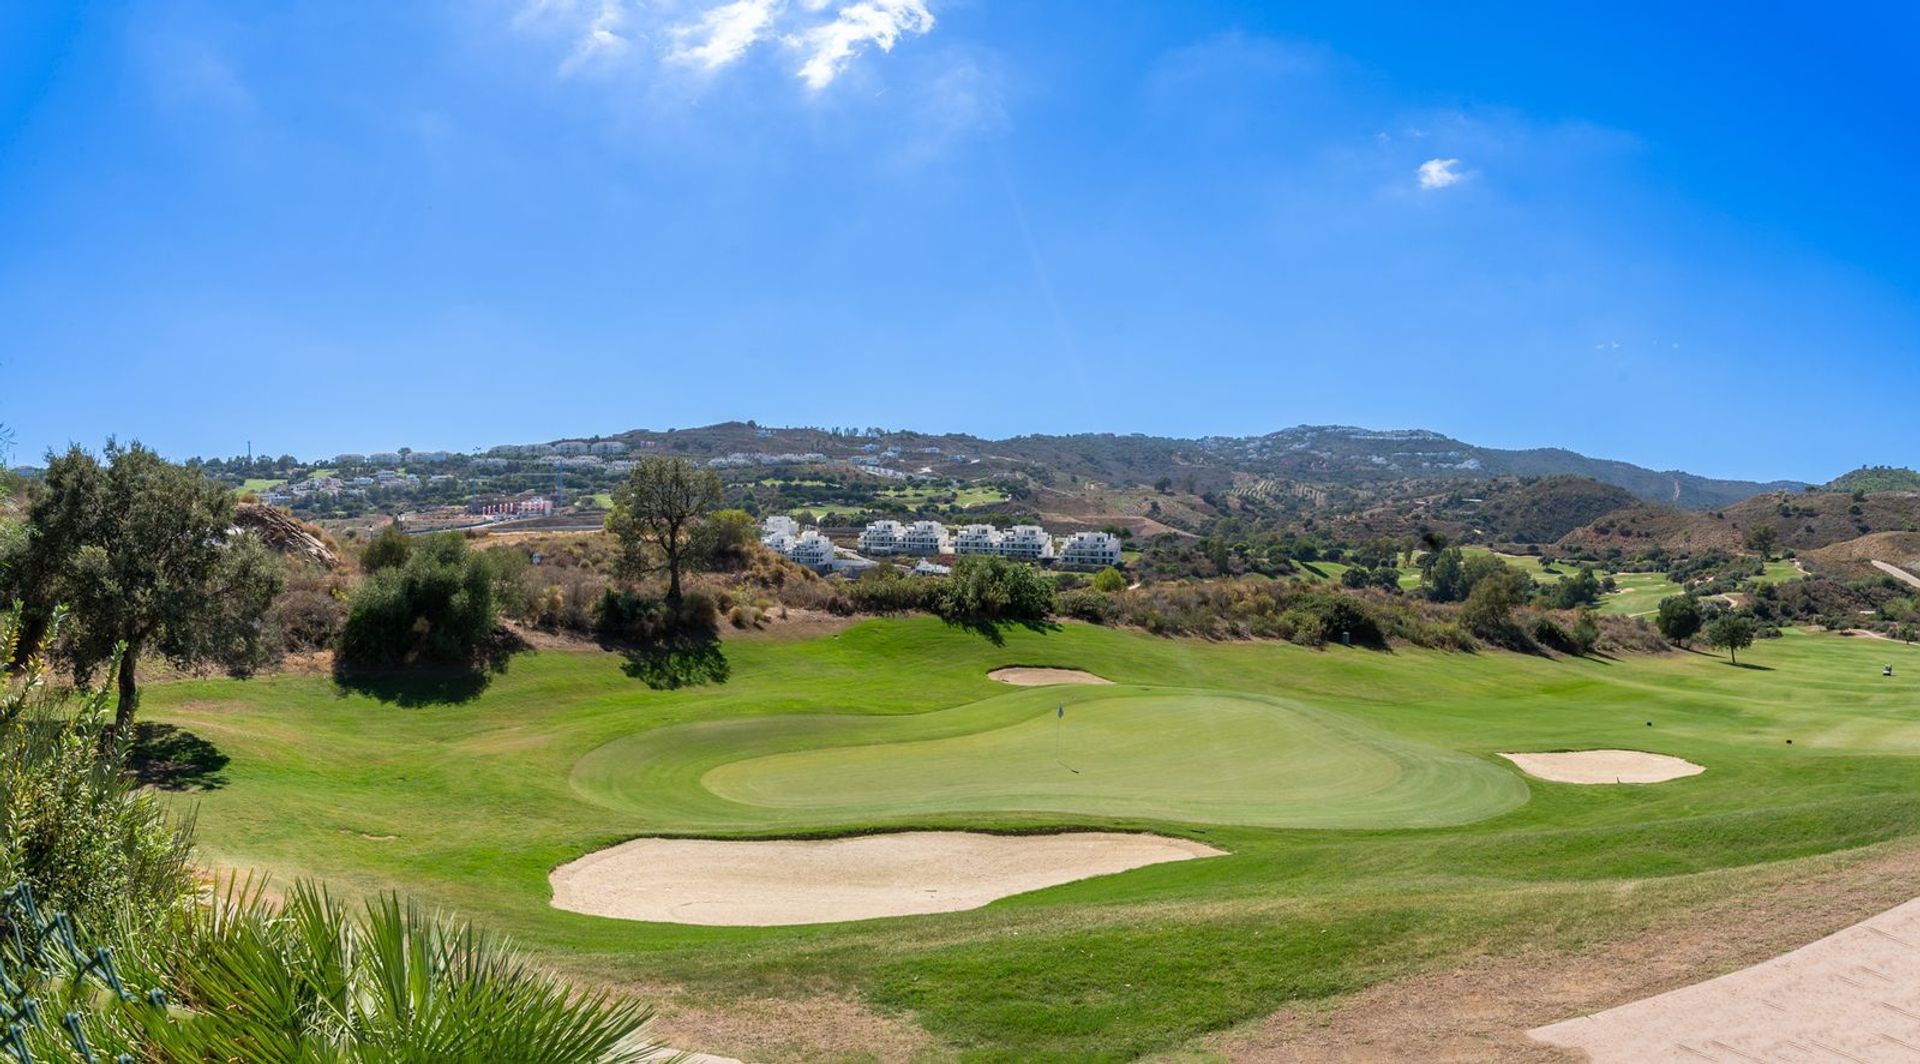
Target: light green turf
{"x": 1188, "y": 756}
{"x": 482, "y": 797}
{"x": 963, "y": 497}
{"x": 1638, "y": 594}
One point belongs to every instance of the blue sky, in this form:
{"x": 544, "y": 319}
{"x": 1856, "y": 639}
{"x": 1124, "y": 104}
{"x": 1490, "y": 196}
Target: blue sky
{"x": 1644, "y": 231}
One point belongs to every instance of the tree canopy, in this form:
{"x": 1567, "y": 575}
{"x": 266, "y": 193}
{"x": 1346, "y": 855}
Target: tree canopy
{"x": 146, "y": 555}
{"x": 655, "y": 514}
{"x": 1679, "y": 619}
{"x": 1731, "y": 633}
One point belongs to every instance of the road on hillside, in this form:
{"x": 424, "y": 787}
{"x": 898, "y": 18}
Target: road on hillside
{"x": 1897, "y": 573}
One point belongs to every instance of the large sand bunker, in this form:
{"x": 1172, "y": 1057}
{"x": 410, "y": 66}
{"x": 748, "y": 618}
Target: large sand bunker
{"x": 1605, "y": 766}
{"x": 767, "y": 884}
{"x": 1850, "y": 996}
{"x": 1022, "y": 676}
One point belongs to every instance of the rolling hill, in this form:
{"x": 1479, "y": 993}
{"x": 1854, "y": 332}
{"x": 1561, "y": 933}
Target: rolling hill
{"x": 1330, "y": 455}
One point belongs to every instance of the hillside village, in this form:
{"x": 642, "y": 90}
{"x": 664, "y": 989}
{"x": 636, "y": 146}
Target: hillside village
{"x": 932, "y": 541}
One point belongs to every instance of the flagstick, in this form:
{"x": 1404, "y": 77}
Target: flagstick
{"x": 1059, "y": 717}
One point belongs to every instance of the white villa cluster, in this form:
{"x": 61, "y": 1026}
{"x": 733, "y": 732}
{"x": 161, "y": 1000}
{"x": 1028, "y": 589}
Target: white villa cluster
{"x": 891, "y": 537}
{"x": 926, "y": 539}
{"x": 811, "y": 549}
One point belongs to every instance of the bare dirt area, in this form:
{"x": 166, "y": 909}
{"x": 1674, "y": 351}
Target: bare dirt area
{"x": 1854, "y": 995}
{"x": 826, "y": 1026}
{"x": 1897, "y": 573}
{"x": 790, "y": 624}
{"x": 817, "y": 881}
{"x": 1482, "y": 1010}
{"x": 1605, "y": 766}
{"x": 1023, "y": 676}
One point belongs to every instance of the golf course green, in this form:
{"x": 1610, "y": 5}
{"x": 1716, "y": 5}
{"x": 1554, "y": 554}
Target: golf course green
{"x": 1193, "y": 757}
{"x": 1370, "y": 828}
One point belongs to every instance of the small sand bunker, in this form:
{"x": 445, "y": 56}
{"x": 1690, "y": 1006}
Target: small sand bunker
{"x": 768, "y": 884}
{"x": 1849, "y": 996}
{"x": 1605, "y": 766}
{"x": 1022, "y": 676}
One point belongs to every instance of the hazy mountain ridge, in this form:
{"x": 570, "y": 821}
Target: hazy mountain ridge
{"x": 1321, "y": 454}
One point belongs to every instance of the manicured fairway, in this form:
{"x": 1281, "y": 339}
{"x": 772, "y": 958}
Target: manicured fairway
{"x": 468, "y": 799}
{"x": 1639, "y": 594}
{"x": 1188, "y": 756}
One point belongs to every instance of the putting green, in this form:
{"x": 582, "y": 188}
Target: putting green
{"x": 1202, "y": 757}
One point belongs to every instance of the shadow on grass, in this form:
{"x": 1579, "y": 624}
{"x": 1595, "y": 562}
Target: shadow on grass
{"x": 417, "y": 685}
{"x": 1749, "y": 665}
{"x": 677, "y": 661}
{"x": 174, "y": 759}
{"x": 994, "y": 631}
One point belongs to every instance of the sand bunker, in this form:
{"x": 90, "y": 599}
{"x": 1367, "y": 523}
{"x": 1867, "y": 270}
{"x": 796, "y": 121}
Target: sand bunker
{"x": 767, "y": 884}
{"x": 1021, "y": 676}
{"x": 1850, "y": 996}
{"x": 1605, "y": 766}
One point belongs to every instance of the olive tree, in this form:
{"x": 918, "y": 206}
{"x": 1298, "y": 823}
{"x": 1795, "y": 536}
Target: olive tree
{"x": 655, "y": 514}
{"x": 1731, "y": 633}
{"x": 145, "y": 554}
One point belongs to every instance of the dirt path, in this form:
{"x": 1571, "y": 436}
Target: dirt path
{"x": 1897, "y": 573}
{"x": 1481, "y": 1010}
{"x": 1850, "y": 995}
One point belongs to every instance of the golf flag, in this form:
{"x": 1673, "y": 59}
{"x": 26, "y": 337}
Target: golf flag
{"x": 1062, "y": 711}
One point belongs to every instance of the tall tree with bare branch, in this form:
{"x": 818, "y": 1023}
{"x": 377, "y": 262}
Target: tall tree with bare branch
{"x": 655, "y": 513}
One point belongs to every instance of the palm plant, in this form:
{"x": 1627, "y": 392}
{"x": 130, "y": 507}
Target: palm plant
{"x": 305, "y": 980}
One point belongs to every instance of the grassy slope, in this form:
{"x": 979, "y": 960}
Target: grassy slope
{"x": 480, "y": 799}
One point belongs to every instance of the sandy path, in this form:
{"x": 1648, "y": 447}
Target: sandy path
{"x": 1850, "y": 996}
{"x": 816, "y": 881}
{"x": 1605, "y": 766}
{"x": 1023, "y": 676}
{"x": 1897, "y": 573}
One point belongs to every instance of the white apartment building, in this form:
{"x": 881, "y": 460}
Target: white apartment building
{"x": 977, "y": 539}
{"x": 1026, "y": 543}
{"x": 881, "y": 537}
{"x": 570, "y": 447}
{"x": 925, "y": 538}
{"x": 1090, "y": 550}
{"x": 608, "y": 447}
{"x": 780, "y": 542}
{"x": 779, "y": 525}
{"x": 813, "y": 550}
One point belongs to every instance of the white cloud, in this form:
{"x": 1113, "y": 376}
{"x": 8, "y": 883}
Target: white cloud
{"x": 881, "y": 23}
{"x": 1439, "y": 173}
{"x": 823, "y": 36}
{"x": 725, "y": 33}
{"x": 599, "y": 28}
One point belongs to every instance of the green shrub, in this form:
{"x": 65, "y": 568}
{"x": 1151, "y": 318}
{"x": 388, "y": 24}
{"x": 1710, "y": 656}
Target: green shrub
{"x": 1109, "y": 580}
{"x": 884, "y": 589}
{"x": 1089, "y": 605}
{"x": 73, "y": 825}
{"x": 388, "y": 549}
{"x": 987, "y": 589}
{"x": 438, "y": 606}
{"x": 627, "y": 616}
